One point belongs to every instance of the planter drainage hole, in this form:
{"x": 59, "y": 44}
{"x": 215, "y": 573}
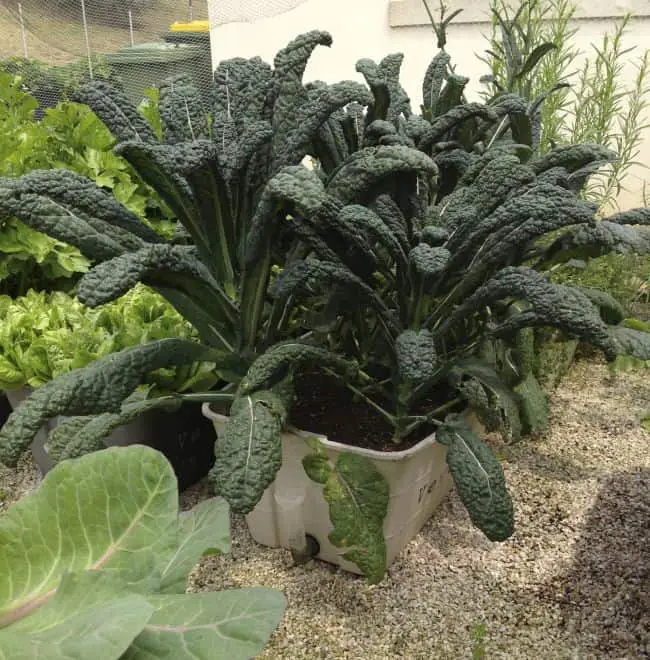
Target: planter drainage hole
{"x": 309, "y": 550}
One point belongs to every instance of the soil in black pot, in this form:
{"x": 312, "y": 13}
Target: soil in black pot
{"x": 324, "y": 405}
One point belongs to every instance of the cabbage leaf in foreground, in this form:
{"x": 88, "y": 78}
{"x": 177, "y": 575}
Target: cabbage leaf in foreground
{"x": 95, "y": 564}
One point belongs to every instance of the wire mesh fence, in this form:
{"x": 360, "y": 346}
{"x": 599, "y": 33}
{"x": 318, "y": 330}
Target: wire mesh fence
{"x": 56, "y": 45}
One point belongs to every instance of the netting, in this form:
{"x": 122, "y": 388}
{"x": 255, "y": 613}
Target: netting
{"x": 55, "y": 45}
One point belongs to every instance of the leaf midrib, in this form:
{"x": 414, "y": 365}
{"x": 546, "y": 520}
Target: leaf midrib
{"x": 30, "y": 605}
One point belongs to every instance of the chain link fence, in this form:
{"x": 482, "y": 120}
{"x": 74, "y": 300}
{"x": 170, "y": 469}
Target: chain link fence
{"x": 56, "y": 45}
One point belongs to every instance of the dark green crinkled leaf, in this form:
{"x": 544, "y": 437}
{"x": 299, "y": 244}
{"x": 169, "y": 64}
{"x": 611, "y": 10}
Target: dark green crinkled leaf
{"x": 533, "y": 405}
{"x": 390, "y": 99}
{"x": 433, "y": 80}
{"x": 368, "y": 222}
{"x": 366, "y": 169}
{"x": 416, "y": 355}
{"x": 75, "y": 436}
{"x": 596, "y": 239}
{"x": 181, "y": 111}
{"x": 434, "y": 236}
{"x": 273, "y": 365}
{"x": 307, "y": 277}
{"x": 479, "y": 479}
{"x": 639, "y": 216}
{"x": 116, "y": 110}
{"x": 296, "y": 188}
{"x": 319, "y": 106}
{"x": 443, "y": 124}
{"x": 451, "y": 94}
{"x": 357, "y": 495}
{"x": 551, "y": 305}
{"x": 101, "y": 387}
{"x": 249, "y": 452}
{"x": 573, "y": 157}
{"x": 488, "y": 395}
{"x": 174, "y": 266}
{"x": 428, "y": 261}
{"x": 74, "y": 210}
{"x": 611, "y": 310}
{"x": 241, "y": 90}
{"x": 627, "y": 341}
{"x": 288, "y": 91}
{"x": 386, "y": 208}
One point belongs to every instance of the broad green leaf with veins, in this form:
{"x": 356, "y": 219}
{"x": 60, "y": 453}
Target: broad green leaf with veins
{"x": 203, "y": 530}
{"x": 357, "y": 494}
{"x": 57, "y": 528}
{"x": 91, "y": 615}
{"x": 95, "y": 563}
{"x": 233, "y": 624}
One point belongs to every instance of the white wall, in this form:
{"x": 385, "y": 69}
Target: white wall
{"x": 361, "y": 28}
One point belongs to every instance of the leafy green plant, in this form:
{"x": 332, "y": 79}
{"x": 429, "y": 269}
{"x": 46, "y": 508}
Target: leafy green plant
{"x": 594, "y": 104}
{"x": 530, "y": 55}
{"x": 478, "y": 641}
{"x": 44, "y": 335}
{"x": 210, "y": 170}
{"x": 51, "y": 84}
{"x": 431, "y": 289}
{"x": 84, "y": 578}
{"x": 70, "y": 137}
{"x": 621, "y": 275}
{"x": 410, "y": 243}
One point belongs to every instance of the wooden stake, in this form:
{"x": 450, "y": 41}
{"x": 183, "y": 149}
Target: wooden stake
{"x": 88, "y": 51}
{"x": 23, "y": 31}
{"x": 131, "y": 27}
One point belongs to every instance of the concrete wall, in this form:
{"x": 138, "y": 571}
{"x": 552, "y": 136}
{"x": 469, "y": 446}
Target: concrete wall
{"x": 374, "y": 28}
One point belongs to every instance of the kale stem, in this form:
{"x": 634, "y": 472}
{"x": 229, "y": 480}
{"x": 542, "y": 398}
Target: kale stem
{"x": 390, "y": 418}
{"x": 432, "y": 417}
{"x": 211, "y": 397}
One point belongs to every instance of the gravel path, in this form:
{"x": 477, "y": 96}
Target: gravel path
{"x": 573, "y": 582}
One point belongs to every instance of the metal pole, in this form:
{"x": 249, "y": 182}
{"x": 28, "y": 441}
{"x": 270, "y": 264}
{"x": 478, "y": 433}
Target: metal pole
{"x": 190, "y": 12}
{"x": 23, "y": 31}
{"x": 131, "y": 27}
{"x": 88, "y": 52}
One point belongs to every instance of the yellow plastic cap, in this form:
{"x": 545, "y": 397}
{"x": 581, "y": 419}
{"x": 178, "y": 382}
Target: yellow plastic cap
{"x": 193, "y": 26}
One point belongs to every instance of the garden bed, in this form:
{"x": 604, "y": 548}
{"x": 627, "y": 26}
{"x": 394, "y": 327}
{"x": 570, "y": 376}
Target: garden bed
{"x": 572, "y": 581}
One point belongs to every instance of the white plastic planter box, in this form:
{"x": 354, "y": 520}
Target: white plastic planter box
{"x": 293, "y": 504}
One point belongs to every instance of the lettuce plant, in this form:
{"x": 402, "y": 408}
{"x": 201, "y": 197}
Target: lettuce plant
{"x": 44, "y": 335}
{"x": 95, "y": 565}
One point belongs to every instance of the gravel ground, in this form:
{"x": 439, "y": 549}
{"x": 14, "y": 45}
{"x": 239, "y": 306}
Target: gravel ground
{"x": 573, "y": 582}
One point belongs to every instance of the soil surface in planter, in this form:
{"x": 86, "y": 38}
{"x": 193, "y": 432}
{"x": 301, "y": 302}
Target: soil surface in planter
{"x": 325, "y": 406}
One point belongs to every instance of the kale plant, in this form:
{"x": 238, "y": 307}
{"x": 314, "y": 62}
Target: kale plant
{"x": 211, "y": 168}
{"x": 435, "y": 285}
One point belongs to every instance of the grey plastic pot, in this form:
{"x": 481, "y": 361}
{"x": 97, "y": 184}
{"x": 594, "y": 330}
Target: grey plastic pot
{"x": 293, "y": 506}
{"x": 184, "y": 436}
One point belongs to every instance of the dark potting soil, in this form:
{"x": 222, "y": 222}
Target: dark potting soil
{"x": 325, "y": 406}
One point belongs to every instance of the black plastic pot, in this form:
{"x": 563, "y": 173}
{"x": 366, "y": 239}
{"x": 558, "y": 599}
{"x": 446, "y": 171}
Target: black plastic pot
{"x": 184, "y": 436}
{"x": 5, "y": 409}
